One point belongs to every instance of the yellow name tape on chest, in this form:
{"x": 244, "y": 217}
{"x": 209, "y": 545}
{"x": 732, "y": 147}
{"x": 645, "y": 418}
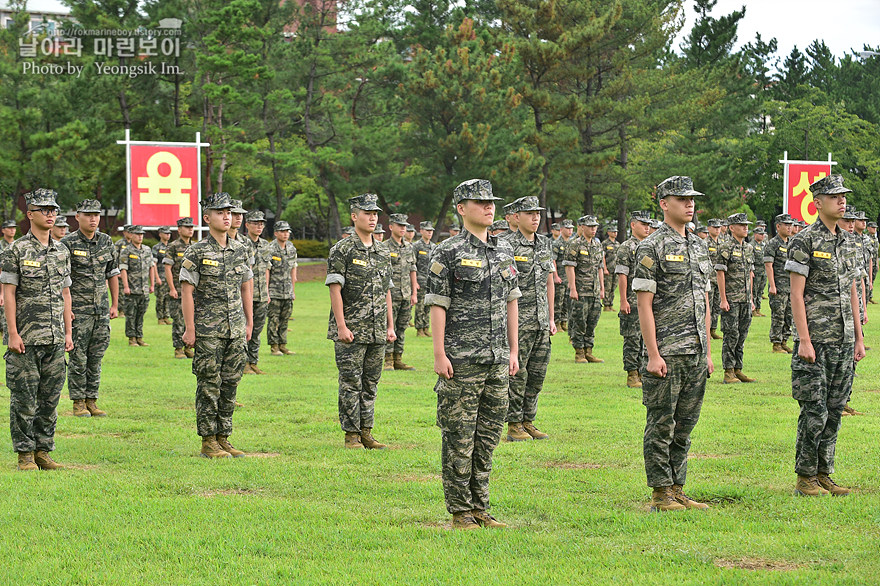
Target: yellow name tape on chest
{"x": 276, "y": 258}
{"x": 161, "y": 252}
{"x": 675, "y": 257}
{"x": 736, "y": 253}
{"x": 820, "y": 254}
{"x": 585, "y": 252}
{"x": 80, "y": 253}
{"x": 31, "y": 263}
{"x": 471, "y": 262}
{"x": 783, "y": 249}
{"x": 210, "y": 263}
{"x": 393, "y": 254}
{"x": 712, "y": 249}
{"x": 133, "y": 256}
{"x": 356, "y": 261}
{"x": 858, "y": 244}
{"x": 521, "y": 258}
{"x": 423, "y": 252}
{"x": 609, "y": 247}
{"x": 179, "y": 254}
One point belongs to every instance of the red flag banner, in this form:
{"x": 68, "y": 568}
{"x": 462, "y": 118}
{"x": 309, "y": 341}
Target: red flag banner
{"x": 798, "y": 176}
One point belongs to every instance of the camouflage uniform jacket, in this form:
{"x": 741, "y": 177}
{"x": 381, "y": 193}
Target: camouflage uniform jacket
{"x": 533, "y": 265}
{"x": 137, "y": 262}
{"x": 119, "y": 244}
{"x": 473, "y": 281}
{"x": 736, "y": 261}
{"x": 40, "y": 273}
{"x": 259, "y": 251}
{"x": 776, "y": 253}
{"x": 174, "y": 257}
{"x": 714, "y": 247}
{"x": 281, "y": 262}
{"x": 828, "y": 263}
{"x": 92, "y": 262}
{"x": 403, "y": 262}
{"x": 758, "y": 257}
{"x": 422, "y": 252}
{"x": 559, "y": 246}
{"x": 676, "y": 270}
{"x": 159, "y": 250}
{"x": 610, "y": 247}
{"x": 586, "y": 258}
{"x": 863, "y": 250}
{"x": 625, "y": 264}
{"x": 217, "y": 275}
{"x": 4, "y": 245}
{"x": 364, "y": 272}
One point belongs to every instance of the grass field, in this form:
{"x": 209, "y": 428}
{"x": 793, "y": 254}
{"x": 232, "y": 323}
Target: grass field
{"x": 137, "y": 506}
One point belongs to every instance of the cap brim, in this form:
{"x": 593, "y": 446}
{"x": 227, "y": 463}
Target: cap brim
{"x": 834, "y": 191}
{"x": 536, "y": 209}
{"x": 374, "y": 208}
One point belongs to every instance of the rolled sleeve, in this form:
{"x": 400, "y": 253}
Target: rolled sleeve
{"x": 768, "y": 259}
{"x": 190, "y": 277}
{"x": 123, "y": 266}
{"x": 112, "y": 272}
{"x": 66, "y": 282}
{"x": 721, "y": 267}
{"x": 569, "y": 263}
{"x": 793, "y": 266}
{"x": 646, "y": 285}
{"x": 515, "y": 293}
{"x": 168, "y": 261}
{"x": 439, "y": 300}
{"x": 621, "y": 270}
{"x": 334, "y": 278}
{"x": 248, "y": 275}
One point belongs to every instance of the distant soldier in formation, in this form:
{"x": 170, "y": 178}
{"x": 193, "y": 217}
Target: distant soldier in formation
{"x": 361, "y": 322}
{"x": 138, "y": 275}
{"x": 562, "y": 301}
{"x": 625, "y": 269}
{"x": 555, "y": 231}
{"x": 775, "y": 255}
{"x": 216, "y": 303}
{"x": 126, "y": 238}
{"x": 9, "y": 228}
{"x": 36, "y": 289}
{"x": 259, "y": 250}
{"x": 454, "y": 230}
{"x": 403, "y": 289}
{"x": 379, "y": 233}
{"x": 347, "y": 231}
{"x": 410, "y": 233}
{"x": 873, "y": 244}
{"x": 714, "y": 245}
{"x": 235, "y": 231}
{"x": 60, "y": 228}
{"x": 282, "y": 285}
{"x": 584, "y": 266}
{"x": 829, "y": 339}
{"x": 863, "y": 243}
{"x": 672, "y": 284}
{"x": 735, "y": 277}
{"x": 472, "y": 292}
{"x": 94, "y": 268}
{"x": 163, "y": 309}
{"x": 173, "y": 261}
{"x": 423, "y": 250}
{"x": 609, "y": 247}
{"x": 759, "y": 244}
{"x": 702, "y": 232}
{"x": 510, "y": 217}
{"x": 499, "y": 228}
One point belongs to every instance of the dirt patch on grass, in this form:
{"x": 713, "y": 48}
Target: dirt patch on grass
{"x": 754, "y": 564}
{"x": 438, "y": 525}
{"x": 80, "y": 466}
{"x": 311, "y": 272}
{"x": 573, "y": 465}
{"x": 73, "y": 435}
{"x": 231, "y": 492}
{"x": 415, "y": 477}
{"x": 262, "y": 455}
{"x": 707, "y": 456}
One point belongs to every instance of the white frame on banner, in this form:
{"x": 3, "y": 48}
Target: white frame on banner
{"x": 785, "y": 163}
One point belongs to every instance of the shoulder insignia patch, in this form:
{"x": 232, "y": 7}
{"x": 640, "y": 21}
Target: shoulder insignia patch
{"x": 188, "y": 264}
{"x": 437, "y": 268}
{"x": 800, "y": 256}
{"x": 647, "y": 262}
{"x": 179, "y": 254}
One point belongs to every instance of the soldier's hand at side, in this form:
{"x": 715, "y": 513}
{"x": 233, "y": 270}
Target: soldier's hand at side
{"x": 606, "y": 271}
{"x": 624, "y": 306}
{"x": 514, "y": 364}
{"x": 248, "y": 332}
{"x": 126, "y": 291}
{"x": 1, "y": 301}
{"x": 413, "y": 299}
{"x": 390, "y": 335}
{"x": 16, "y": 344}
{"x": 68, "y": 343}
{"x": 345, "y": 335}
{"x": 114, "y": 312}
{"x": 443, "y": 367}
{"x": 725, "y": 306}
{"x": 189, "y": 338}
{"x": 772, "y": 290}
{"x": 553, "y": 329}
{"x": 151, "y": 288}
{"x": 556, "y": 279}
{"x": 293, "y": 296}
{"x": 657, "y": 366}
{"x": 860, "y": 351}
{"x": 173, "y": 293}
{"x": 710, "y": 366}
{"x": 574, "y": 295}
{"x": 807, "y": 353}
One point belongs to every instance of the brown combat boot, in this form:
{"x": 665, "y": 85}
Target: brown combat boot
{"x": 729, "y": 377}
{"x": 831, "y": 486}
{"x": 579, "y": 357}
{"x": 516, "y": 433}
{"x": 79, "y": 409}
{"x": 353, "y": 440}
{"x": 756, "y": 313}
{"x": 715, "y": 335}
{"x": 689, "y": 503}
{"x": 588, "y": 354}
{"x": 663, "y": 499}
{"x": 132, "y": 342}
{"x": 369, "y": 441}
{"x": 399, "y": 364}
{"x": 778, "y": 349}
{"x": 738, "y": 373}
{"x": 809, "y": 486}
{"x": 565, "y": 326}
{"x": 248, "y": 369}
{"x": 534, "y": 431}
{"x": 190, "y": 352}
{"x": 464, "y": 521}
{"x": 420, "y": 333}
{"x": 45, "y": 462}
{"x": 284, "y": 350}
{"x": 389, "y": 362}
{"x": 140, "y": 342}
{"x": 223, "y": 442}
{"x": 484, "y": 519}
{"x": 26, "y": 461}
{"x": 211, "y": 449}
{"x": 786, "y": 348}
{"x": 847, "y": 410}
{"x": 92, "y": 406}
{"x": 179, "y": 353}
{"x": 632, "y": 379}
{"x": 257, "y": 369}
{"x": 275, "y": 350}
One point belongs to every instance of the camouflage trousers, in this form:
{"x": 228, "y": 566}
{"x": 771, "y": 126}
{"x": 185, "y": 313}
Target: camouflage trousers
{"x": 562, "y": 302}
{"x": 423, "y": 312}
{"x": 610, "y": 288}
{"x": 162, "y": 298}
{"x": 35, "y": 380}
{"x": 277, "y": 317}
{"x": 758, "y": 289}
{"x": 360, "y": 367}
{"x": 400, "y": 312}
{"x": 634, "y": 355}
{"x": 534, "y": 357}
{"x": 135, "y": 310}
{"x": 261, "y": 310}
{"x": 673, "y": 408}
{"x": 471, "y": 407}
{"x": 780, "y": 317}
{"x": 91, "y": 338}
{"x": 821, "y": 389}
{"x": 735, "y": 325}
{"x": 178, "y": 326}
{"x": 582, "y": 320}
{"x": 218, "y": 365}
{"x": 715, "y": 306}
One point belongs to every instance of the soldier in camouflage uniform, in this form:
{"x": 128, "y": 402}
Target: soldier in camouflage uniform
{"x": 454, "y": 230}
{"x": 8, "y": 229}
{"x": 235, "y": 231}
{"x": 610, "y": 246}
{"x": 862, "y": 244}
{"x": 259, "y": 250}
{"x": 672, "y": 285}
{"x": 216, "y": 301}
{"x": 775, "y": 255}
{"x": 735, "y": 276}
{"x": 562, "y": 301}
{"x": 172, "y": 262}
{"x": 874, "y": 248}
{"x": 829, "y": 336}
{"x": 347, "y": 231}
{"x": 163, "y": 311}
{"x": 59, "y": 229}
{"x": 410, "y": 233}
{"x": 403, "y": 290}
{"x": 714, "y": 244}
{"x": 137, "y": 271}
{"x": 361, "y": 322}
{"x": 555, "y": 231}
{"x": 282, "y": 282}
{"x": 625, "y": 269}
{"x": 126, "y": 238}
{"x": 500, "y": 228}
{"x": 379, "y": 233}
{"x": 533, "y": 256}
{"x": 510, "y": 217}
{"x": 584, "y": 267}
{"x": 472, "y": 292}
{"x": 36, "y": 278}
{"x": 759, "y": 244}
{"x": 93, "y": 267}
{"x": 423, "y": 250}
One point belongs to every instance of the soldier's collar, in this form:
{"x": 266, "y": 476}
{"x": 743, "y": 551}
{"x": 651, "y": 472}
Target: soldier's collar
{"x": 359, "y": 244}
{"x": 51, "y": 245}
{"x": 491, "y": 241}
{"x": 82, "y": 236}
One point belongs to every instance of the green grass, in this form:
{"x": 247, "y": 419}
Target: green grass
{"x": 137, "y": 506}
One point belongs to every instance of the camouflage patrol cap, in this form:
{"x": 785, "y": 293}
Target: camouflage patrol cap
{"x": 239, "y": 208}
{"x": 870, "y": 225}
{"x": 136, "y": 229}
{"x": 379, "y": 229}
{"x": 455, "y": 227}
{"x": 702, "y": 230}
{"x": 88, "y": 206}
{"x": 587, "y": 220}
{"x": 678, "y": 185}
{"x": 281, "y": 226}
{"x": 185, "y": 223}
{"x": 714, "y": 222}
{"x": 398, "y": 219}
{"x": 861, "y": 215}
{"x": 760, "y": 230}
{"x": 529, "y": 203}
{"x": 831, "y": 185}
{"x": 567, "y": 224}
{"x": 126, "y": 228}
{"x": 641, "y": 215}
{"x": 218, "y": 201}
{"x": 476, "y": 189}
{"x": 61, "y": 222}
{"x": 10, "y": 224}
{"x": 740, "y": 218}
{"x": 426, "y": 225}
{"x": 42, "y": 198}
{"x": 612, "y": 227}
{"x": 513, "y": 207}
{"x": 348, "y": 230}
{"x": 783, "y": 219}
{"x": 410, "y": 228}
{"x": 255, "y": 216}
{"x": 760, "y": 223}
{"x": 367, "y": 202}
{"x": 499, "y": 225}
{"x": 554, "y": 226}
{"x": 656, "y": 224}
{"x": 850, "y": 213}
{"x": 165, "y": 230}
